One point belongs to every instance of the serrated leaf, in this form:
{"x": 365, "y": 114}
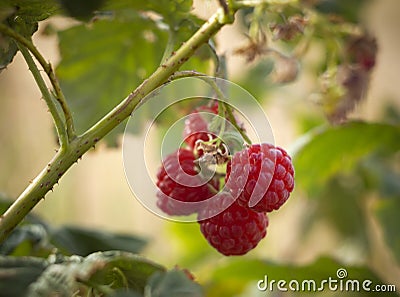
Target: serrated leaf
{"x": 172, "y": 283}
{"x": 103, "y": 63}
{"x": 99, "y": 272}
{"x": 118, "y": 269}
{"x": 80, "y": 241}
{"x": 231, "y": 278}
{"x": 387, "y": 213}
{"x": 325, "y": 152}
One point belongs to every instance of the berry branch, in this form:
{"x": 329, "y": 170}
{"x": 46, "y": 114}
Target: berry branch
{"x": 79, "y": 145}
{"x": 48, "y": 69}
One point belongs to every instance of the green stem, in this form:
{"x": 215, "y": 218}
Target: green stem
{"x": 79, "y": 145}
{"x": 219, "y": 93}
{"x": 48, "y": 69}
{"x": 58, "y": 121}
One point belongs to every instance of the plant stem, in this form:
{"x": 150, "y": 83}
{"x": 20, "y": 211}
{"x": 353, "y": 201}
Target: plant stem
{"x": 220, "y": 94}
{"x": 58, "y": 121}
{"x": 47, "y": 67}
{"x": 79, "y": 145}
{"x": 170, "y": 45}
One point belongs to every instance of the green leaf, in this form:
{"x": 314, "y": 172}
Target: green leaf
{"x": 387, "y": 213}
{"x": 81, "y": 10}
{"x": 327, "y": 151}
{"x": 27, "y": 240}
{"x": 103, "y": 63}
{"x": 22, "y": 16}
{"x": 119, "y": 270}
{"x": 231, "y": 278}
{"x": 349, "y": 221}
{"x": 172, "y": 283}
{"x": 172, "y": 11}
{"x": 79, "y": 241}
{"x": 16, "y": 274}
{"x": 101, "y": 272}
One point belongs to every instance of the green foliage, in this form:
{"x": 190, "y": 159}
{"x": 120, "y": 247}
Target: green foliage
{"x": 82, "y": 10}
{"x": 325, "y": 152}
{"x": 23, "y": 17}
{"x": 110, "y": 273}
{"x": 103, "y": 63}
{"x": 387, "y": 213}
{"x": 340, "y": 203}
{"x": 35, "y": 238}
{"x": 82, "y": 242}
{"x": 173, "y": 283}
{"x": 16, "y": 274}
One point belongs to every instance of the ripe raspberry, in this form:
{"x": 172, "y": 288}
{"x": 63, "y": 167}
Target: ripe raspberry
{"x": 277, "y": 173}
{"x": 177, "y": 183}
{"x": 196, "y": 127}
{"x": 234, "y": 231}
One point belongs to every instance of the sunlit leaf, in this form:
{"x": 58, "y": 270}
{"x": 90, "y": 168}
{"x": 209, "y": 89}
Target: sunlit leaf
{"x": 330, "y": 150}
{"x": 231, "y": 278}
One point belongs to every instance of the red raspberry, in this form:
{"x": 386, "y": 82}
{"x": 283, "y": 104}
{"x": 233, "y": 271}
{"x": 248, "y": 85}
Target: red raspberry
{"x": 275, "y": 162}
{"x": 234, "y": 231}
{"x": 177, "y": 183}
{"x": 196, "y": 127}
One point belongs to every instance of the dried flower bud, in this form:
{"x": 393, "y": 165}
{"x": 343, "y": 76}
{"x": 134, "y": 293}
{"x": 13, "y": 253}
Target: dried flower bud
{"x": 343, "y": 91}
{"x": 287, "y": 31}
{"x": 286, "y": 69}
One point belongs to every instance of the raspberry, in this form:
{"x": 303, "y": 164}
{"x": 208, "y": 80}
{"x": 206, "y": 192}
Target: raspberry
{"x": 196, "y": 127}
{"x": 275, "y": 162}
{"x": 176, "y": 187}
{"x": 234, "y": 231}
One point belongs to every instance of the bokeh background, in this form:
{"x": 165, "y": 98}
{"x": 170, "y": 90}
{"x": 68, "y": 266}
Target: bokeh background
{"x": 94, "y": 193}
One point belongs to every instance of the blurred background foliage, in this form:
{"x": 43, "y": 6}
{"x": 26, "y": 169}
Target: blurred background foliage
{"x": 345, "y": 208}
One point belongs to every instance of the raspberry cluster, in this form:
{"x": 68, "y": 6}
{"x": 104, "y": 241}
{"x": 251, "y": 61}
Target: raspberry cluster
{"x": 232, "y": 206}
